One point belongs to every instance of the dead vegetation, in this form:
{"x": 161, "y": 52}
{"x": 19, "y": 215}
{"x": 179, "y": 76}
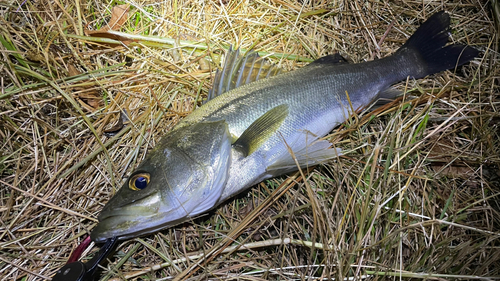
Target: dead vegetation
{"x": 415, "y": 196}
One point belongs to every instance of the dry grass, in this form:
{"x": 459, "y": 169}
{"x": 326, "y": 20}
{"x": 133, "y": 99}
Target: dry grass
{"x": 416, "y": 195}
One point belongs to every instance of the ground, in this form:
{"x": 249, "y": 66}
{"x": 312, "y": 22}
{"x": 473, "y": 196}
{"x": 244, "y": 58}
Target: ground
{"x": 414, "y": 196}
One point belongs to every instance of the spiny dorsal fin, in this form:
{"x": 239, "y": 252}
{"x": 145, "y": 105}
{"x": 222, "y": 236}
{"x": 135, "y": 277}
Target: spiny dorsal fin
{"x": 240, "y": 70}
{"x": 261, "y": 130}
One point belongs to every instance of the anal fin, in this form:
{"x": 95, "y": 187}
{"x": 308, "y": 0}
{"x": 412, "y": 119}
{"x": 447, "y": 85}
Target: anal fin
{"x": 386, "y": 96}
{"x": 319, "y": 151}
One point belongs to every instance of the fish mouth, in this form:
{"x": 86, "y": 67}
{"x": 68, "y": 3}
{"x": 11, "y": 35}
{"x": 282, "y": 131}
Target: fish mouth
{"x": 128, "y": 227}
{"x": 127, "y": 221}
{"x": 127, "y": 213}
{"x": 121, "y": 226}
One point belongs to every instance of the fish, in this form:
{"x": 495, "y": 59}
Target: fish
{"x": 259, "y": 123}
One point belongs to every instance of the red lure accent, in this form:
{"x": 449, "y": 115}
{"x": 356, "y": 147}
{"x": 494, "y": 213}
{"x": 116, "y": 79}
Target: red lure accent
{"x": 79, "y": 250}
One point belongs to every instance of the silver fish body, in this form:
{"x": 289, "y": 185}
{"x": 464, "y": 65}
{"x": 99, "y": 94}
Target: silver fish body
{"x": 243, "y": 136}
{"x": 316, "y": 97}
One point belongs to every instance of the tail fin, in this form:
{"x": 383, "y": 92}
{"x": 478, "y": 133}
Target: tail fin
{"x": 428, "y": 43}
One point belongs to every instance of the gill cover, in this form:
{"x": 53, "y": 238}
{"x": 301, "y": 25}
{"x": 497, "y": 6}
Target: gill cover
{"x": 184, "y": 175}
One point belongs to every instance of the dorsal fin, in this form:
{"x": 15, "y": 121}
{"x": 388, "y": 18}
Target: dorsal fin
{"x": 329, "y": 59}
{"x": 240, "y": 70}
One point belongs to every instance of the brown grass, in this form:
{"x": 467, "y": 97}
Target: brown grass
{"x": 415, "y": 196}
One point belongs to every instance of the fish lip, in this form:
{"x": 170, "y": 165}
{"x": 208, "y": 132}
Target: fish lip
{"x": 121, "y": 221}
{"x": 99, "y": 236}
{"x": 109, "y": 213}
{"x": 121, "y": 211}
{"x": 103, "y": 231}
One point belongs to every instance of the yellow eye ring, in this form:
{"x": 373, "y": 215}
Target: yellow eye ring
{"x": 138, "y": 181}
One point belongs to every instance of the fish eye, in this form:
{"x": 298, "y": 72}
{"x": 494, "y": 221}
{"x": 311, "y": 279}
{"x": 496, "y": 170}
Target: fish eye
{"x": 138, "y": 181}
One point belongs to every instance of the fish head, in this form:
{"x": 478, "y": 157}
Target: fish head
{"x": 184, "y": 175}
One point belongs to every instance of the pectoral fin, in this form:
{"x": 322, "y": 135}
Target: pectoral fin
{"x": 261, "y": 130}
